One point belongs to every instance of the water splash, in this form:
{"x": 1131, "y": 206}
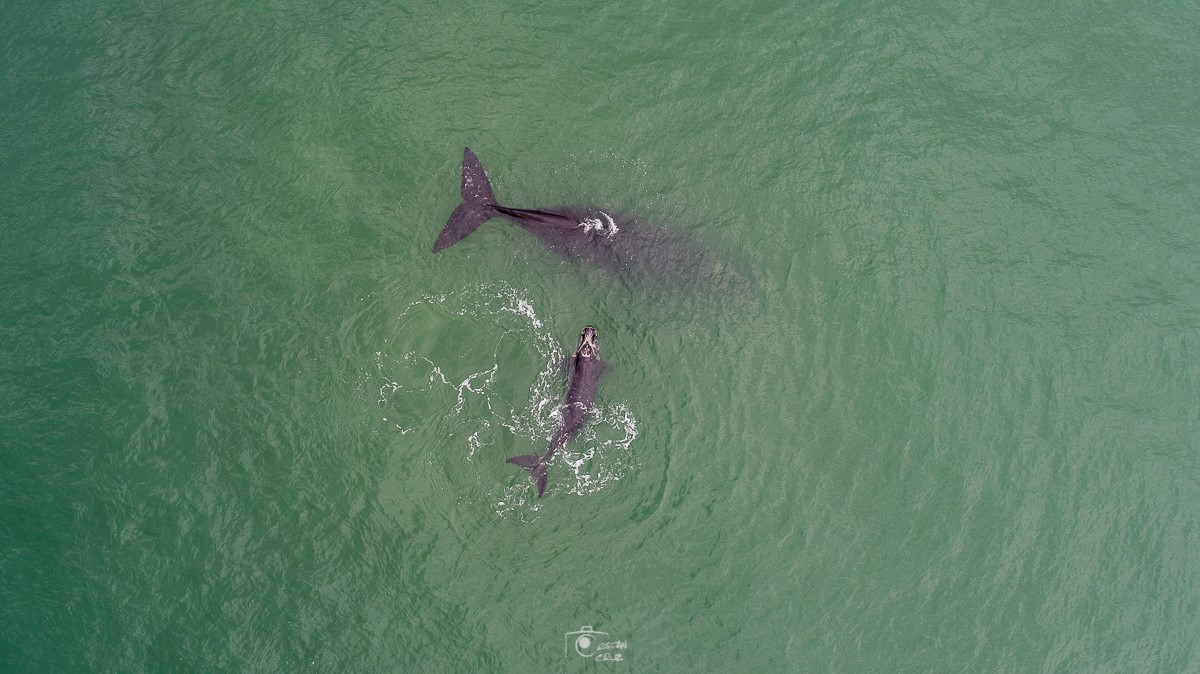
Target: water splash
{"x": 481, "y": 413}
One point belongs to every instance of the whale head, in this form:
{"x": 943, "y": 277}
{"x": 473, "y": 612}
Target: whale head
{"x": 587, "y": 344}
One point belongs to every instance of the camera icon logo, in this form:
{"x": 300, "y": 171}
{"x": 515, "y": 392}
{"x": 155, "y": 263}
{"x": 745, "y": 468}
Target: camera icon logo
{"x": 584, "y": 641}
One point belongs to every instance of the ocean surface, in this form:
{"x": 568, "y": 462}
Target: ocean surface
{"x": 250, "y": 423}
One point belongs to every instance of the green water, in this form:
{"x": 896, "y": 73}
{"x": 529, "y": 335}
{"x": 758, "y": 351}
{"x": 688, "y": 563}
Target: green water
{"x": 249, "y": 423}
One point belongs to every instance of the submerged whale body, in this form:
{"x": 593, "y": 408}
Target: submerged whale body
{"x": 585, "y": 370}
{"x": 617, "y": 242}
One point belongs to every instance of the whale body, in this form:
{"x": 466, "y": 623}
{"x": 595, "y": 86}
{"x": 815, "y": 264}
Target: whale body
{"x": 585, "y": 370}
{"x": 617, "y": 242}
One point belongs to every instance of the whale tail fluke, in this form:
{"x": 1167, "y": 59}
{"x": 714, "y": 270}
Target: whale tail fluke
{"x": 536, "y": 467}
{"x": 478, "y": 206}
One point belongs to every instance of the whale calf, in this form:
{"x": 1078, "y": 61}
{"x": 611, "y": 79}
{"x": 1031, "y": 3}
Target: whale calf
{"x": 585, "y": 370}
{"x": 617, "y": 242}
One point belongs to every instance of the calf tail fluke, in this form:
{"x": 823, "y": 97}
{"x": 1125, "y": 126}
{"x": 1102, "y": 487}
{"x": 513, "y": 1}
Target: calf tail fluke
{"x": 536, "y": 467}
{"x": 478, "y": 206}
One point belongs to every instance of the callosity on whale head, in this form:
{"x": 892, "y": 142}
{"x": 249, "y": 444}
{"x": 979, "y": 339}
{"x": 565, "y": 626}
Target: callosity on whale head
{"x": 587, "y": 344}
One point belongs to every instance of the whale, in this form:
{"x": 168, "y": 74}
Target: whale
{"x": 617, "y": 242}
{"x": 585, "y": 367}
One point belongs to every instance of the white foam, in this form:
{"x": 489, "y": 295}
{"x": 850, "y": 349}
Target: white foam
{"x": 612, "y": 226}
{"x": 595, "y": 225}
{"x": 483, "y": 420}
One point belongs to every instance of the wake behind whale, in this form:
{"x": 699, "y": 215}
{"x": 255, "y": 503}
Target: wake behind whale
{"x": 617, "y": 242}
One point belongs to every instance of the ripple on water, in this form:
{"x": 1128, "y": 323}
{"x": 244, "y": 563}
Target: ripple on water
{"x": 490, "y": 388}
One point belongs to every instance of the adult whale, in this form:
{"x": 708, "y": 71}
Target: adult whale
{"x": 585, "y": 370}
{"x": 618, "y": 242}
